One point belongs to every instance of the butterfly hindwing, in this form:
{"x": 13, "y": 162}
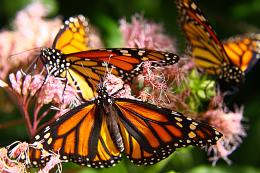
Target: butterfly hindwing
{"x": 152, "y": 133}
{"x": 243, "y": 50}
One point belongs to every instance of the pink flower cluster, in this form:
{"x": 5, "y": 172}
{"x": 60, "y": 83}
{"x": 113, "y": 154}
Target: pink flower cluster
{"x": 30, "y": 31}
{"x": 116, "y": 87}
{"x": 11, "y": 156}
{"x": 50, "y": 90}
{"x": 141, "y": 33}
{"x": 8, "y": 165}
{"x": 230, "y": 125}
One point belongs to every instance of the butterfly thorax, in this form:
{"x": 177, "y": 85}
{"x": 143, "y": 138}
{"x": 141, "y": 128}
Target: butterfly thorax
{"x": 54, "y": 61}
{"x": 103, "y": 98}
{"x": 231, "y": 74}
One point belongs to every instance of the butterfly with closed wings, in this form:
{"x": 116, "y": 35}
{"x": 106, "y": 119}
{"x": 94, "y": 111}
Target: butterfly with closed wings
{"x": 98, "y": 132}
{"x": 229, "y": 61}
{"x": 69, "y": 58}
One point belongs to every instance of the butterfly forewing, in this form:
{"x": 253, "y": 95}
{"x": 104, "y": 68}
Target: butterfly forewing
{"x": 208, "y": 51}
{"x": 86, "y": 67}
{"x": 73, "y": 35}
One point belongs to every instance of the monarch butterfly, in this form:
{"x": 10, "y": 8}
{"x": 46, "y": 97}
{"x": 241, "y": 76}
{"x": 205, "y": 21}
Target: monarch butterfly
{"x": 69, "y": 58}
{"x": 96, "y": 133}
{"x": 229, "y": 61}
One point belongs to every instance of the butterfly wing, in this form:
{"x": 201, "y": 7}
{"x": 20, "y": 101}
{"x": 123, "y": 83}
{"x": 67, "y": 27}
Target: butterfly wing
{"x": 152, "y": 133}
{"x": 86, "y": 67}
{"x": 73, "y": 35}
{"x": 207, "y": 50}
{"x": 243, "y": 51}
{"x": 80, "y": 136}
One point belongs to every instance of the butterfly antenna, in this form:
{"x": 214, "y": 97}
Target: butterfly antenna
{"x": 34, "y": 62}
{"x": 33, "y": 65}
{"x": 19, "y": 53}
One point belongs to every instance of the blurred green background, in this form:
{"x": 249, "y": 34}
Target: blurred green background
{"x": 228, "y": 17}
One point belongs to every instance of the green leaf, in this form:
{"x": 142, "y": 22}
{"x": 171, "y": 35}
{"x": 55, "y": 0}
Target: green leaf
{"x": 52, "y": 6}
{"x": 222, "y": 169}
{"x": 110, "y": 31}
{"x": 118, "y": 168}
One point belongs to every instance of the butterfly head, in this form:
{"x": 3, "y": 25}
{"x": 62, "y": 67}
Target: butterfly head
{"x": 54, "y": 61}
{"x": 232, "y": 74}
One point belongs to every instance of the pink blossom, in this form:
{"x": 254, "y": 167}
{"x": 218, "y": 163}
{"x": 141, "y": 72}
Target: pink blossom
{"x": 20, "y": 149}
{"x": 159, "y": 84}
{"x": 16, "y": 81}
{"x": 230, "y": 125}
{"x": 152, "y": 79}
{"x": 95, "y": 41}
{"x": 51, "y": 90}
{"x": 116, "y": 87}
{"x": 141, "y": 33}
{"x": 10, "y": 166}
{"x": 178, "y": 73}
{"x": 54, "y": 91}
{"x": 26, "y": 35}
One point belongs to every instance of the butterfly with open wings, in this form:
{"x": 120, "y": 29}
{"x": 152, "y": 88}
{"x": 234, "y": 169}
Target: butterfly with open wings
{"x": 98, "y": 132}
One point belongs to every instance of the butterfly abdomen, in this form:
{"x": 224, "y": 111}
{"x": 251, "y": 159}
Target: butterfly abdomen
{"x": 112, "y": 123}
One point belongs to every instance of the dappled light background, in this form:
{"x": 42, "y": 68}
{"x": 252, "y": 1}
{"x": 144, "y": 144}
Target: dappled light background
{"x": 228, "y": 17}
